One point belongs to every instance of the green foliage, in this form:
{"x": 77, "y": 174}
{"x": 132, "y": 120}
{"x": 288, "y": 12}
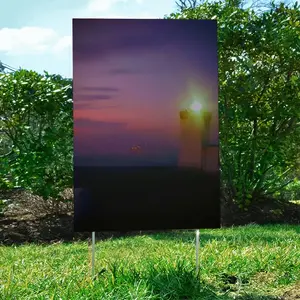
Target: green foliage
{"x": 293, "y": 190}
{"x": 259, "y": 107}
{"x": 259, "y": 99}
{"x": 36, "y": 125}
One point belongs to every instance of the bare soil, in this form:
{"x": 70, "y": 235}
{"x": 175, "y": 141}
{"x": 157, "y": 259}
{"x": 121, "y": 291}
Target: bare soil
{"x": 292, "y": 294}
{"x": 29, "y": 218}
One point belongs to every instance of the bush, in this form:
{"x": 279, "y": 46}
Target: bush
{"x": 36, "y": 123}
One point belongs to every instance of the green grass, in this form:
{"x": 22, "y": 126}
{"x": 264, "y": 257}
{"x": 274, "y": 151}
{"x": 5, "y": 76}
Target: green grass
{"x": 250, "y": 262}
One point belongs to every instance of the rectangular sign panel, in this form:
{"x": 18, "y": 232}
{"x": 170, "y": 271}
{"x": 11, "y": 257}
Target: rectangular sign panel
{"x": 146, "y": 150}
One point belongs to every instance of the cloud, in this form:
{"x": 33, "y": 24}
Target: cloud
{"x": 63, "y": 43}
{"x": 82, "y": 105}
{"x": 142, "y": 15}
{"x": 32, "y": 40}
{"x": 94, "y": 93}
{"x": 91, "y": 104}
{"x": 100, "y": 89}
{"x": 88, "y": 123}
{"x": 95, "y": 7}
{"x": 95, "y": 97}
{"x": 121, "y": 71}
{"x": 88, "y": 104}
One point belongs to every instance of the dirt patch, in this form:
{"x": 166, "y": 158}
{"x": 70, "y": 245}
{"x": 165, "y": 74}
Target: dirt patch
{"x": 28, "y": 218}
{"x": 269, "y": 212}
{"x": 264, "y": 277}
{"x": 44, "y": 229}
{"x": 292, "y": 294}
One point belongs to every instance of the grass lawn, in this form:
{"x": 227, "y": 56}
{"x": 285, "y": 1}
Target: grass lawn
{"x": 250, "y": 262}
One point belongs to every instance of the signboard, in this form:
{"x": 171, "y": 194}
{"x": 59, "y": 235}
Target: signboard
{"x": 146, "y": 152}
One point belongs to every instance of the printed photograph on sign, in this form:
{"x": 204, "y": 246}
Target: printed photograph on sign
{"x": 146, "y": 145}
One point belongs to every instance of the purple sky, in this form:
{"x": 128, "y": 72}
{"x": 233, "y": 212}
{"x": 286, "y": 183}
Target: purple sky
{"x": 131, "y": 78}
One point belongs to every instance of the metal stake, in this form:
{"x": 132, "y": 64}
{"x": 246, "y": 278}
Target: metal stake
{"x": 197, "y": 250}
{"x": 93, "y": 254}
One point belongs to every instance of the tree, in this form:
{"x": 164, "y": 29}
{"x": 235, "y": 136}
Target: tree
{"x": 184, "y": 4}
{"x": 259, "y": 99}
{"x": 36, "y": 125}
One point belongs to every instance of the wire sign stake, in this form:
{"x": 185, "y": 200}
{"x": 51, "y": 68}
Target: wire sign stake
{"x": 93, "y": 254}
{"x": 197, "y": 250}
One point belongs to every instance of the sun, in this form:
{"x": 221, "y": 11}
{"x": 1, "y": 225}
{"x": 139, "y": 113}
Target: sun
{"x": 195, "y": 106}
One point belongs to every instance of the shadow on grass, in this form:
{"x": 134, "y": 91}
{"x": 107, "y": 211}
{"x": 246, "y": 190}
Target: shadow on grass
{"x": 166, "y": 282}
{"x": 265, "y": 233}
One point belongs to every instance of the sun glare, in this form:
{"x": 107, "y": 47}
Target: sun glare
{"x": 196, "y": 106}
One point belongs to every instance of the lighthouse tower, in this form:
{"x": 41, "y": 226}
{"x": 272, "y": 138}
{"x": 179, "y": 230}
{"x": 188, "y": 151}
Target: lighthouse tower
{"x": 190, "y": 154}
{"x": 196, "y": 149}
{"x": 210, "y": 152}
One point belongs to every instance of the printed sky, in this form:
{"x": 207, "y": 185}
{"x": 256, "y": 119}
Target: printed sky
{"x": 131, "y": 78}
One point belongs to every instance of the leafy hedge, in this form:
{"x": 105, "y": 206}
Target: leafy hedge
{"x": 259, "y": 75}
{"x": 36, "y": 132}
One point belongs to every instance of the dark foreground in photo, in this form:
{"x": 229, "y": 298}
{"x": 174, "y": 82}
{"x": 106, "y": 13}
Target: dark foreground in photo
{"x": 108, "y": 199}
